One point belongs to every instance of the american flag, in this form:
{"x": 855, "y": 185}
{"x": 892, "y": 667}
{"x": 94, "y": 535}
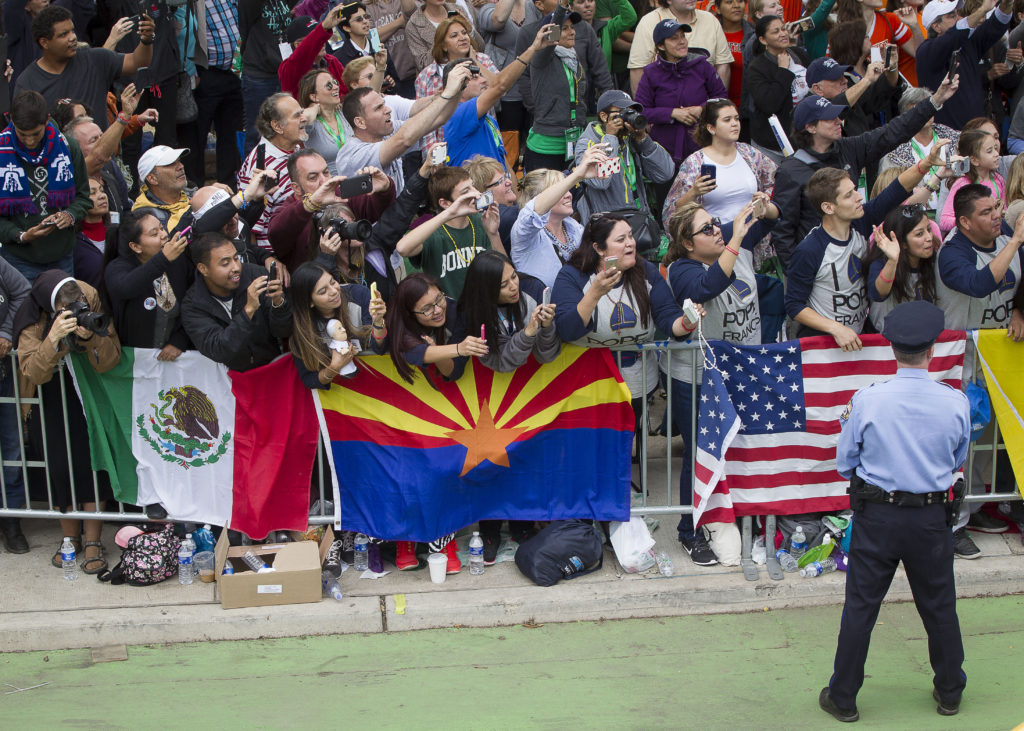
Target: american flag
{"x": 768, "y": 421}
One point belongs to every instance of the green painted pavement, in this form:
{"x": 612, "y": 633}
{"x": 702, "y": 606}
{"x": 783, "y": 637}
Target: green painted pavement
{"x": 761, "y": 670}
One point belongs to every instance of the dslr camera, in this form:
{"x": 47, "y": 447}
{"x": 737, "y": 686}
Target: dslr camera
{"x": 636, "y": 120}
{"x": 97, "y": 322}
{"x": 358, "y": 230}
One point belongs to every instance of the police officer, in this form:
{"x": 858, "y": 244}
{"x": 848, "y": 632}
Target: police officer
{"x": 900, "y": 445}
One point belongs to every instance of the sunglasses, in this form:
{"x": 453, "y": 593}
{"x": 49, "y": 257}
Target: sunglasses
{"x": 709, "y": 228}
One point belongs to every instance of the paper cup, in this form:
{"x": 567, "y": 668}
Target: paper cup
{"x": 438, "y": 563}
{"x": 205, "y": 566}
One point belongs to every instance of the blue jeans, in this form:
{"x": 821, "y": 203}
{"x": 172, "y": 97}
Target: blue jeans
{"x": 254, "y": 91}
{"x": 682, "y": 415}
{"x": 30, "y": 271}
{"x": 10, "y": 443}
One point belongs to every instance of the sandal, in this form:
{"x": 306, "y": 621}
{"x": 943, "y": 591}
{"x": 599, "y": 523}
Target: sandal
{"x": 57, "y": 561}
{"x": 85, "y": 562}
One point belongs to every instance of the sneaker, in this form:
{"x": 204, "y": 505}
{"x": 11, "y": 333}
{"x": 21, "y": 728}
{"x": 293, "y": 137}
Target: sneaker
{"x": 348, "y": 546}
{"x": 332, "y": 563}
{"x": 1012, "y": 510}
{"x": 846, "y": 715}
{"x": 491, "y": 545}
{"x": 982, "y": 521}
{"x": 963, "y": 546}
{"x": 698, "y": 548}
{"x": 452, "y": 551}
{"x": 405, "y": 556}
{"x": 944, "y": 708}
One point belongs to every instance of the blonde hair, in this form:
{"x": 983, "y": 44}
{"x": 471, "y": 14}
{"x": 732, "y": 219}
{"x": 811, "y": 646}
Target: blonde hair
{"x": 481, "y": 169}
{"x": 354, "y": 68}
{"x": 1015, "y": 185}
{"x": 884, "y": 179}
{"x": 535, "y": 181}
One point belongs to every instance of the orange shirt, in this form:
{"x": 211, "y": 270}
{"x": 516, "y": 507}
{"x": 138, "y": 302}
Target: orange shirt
{"x": 888, "y": 28}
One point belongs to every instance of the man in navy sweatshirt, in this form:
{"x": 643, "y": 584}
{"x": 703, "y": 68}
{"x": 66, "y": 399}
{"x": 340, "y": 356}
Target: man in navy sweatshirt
{"x": 972, "y": 36}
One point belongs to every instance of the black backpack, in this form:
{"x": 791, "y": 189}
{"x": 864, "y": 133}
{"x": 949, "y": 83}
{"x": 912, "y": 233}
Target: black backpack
{"x": 564, "y": 549}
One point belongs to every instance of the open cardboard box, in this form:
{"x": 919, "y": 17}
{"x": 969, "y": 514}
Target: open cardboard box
{"x": 295, "y": 579}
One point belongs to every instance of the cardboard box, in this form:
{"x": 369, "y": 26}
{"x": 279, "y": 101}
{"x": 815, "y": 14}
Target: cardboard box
{"x": 295, "y": 579}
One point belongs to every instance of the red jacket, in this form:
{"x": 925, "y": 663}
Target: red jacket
{"x": 293, "y": 68}
{"x": 290, "y": 225}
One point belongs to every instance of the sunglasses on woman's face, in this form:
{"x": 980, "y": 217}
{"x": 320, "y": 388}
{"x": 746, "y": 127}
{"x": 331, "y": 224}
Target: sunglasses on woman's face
{"x": 709, "y": 228}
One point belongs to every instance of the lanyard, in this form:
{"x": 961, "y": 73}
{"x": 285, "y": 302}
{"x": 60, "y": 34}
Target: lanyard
{"x": 574, "y": 82}
{"x": 339, "y": 139}
{"x": 628, "y": 168}
{"x": 499, "y": 143}
{"x": 920, "y": 152}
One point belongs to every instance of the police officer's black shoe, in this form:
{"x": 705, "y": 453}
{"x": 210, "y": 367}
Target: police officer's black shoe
{"x": 944, "y": 708}
{"x": 846, "y": 715}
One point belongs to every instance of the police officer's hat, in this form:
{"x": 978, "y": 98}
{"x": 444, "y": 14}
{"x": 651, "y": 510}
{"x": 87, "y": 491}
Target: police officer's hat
{"x": 912, "y": 327}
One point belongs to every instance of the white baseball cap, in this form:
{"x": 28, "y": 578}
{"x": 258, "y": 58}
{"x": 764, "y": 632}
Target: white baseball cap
{"x": 935, "y": 10}
{"x": 158, "y": 156}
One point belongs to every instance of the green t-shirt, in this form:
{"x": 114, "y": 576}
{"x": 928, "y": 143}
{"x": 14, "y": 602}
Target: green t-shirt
{"x": 447, "y": 253}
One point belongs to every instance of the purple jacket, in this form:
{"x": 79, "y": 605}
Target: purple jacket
{"x": 665, "y": 86}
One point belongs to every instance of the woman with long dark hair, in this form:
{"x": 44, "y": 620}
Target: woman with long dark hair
{"x": 607, "y": 296}
{"x": 146, "y": 278}
{"x": 508, "y": 307}
{"x": 900, "y": 267}
{"x": 711, "y": 263}
{"x": 421, "y": 322}
{"x": 318, "y": 300}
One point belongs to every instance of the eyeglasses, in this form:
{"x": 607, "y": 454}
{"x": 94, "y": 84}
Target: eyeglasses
{"x": 500, "y": 181}
{"x": 912, "y": 211}
{"x": 438, "y": 304}
{"x": 709, "y": 228}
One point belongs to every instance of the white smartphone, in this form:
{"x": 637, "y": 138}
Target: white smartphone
{"x": 546, "y": 297}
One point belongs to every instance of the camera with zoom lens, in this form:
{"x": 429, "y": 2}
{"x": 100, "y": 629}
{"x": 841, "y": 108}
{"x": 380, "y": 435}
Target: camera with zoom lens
{"x": 358, "y": 230}
{"x": 97, "y": 322}
{"x": 636, "y": 120}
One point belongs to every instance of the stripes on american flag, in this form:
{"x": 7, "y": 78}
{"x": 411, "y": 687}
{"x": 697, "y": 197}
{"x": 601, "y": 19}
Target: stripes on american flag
{"x": 768, "y": 421}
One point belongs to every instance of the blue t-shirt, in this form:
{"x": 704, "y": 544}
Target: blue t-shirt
{"x": 468, "y": 135}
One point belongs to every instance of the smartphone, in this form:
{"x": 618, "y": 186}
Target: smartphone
{"x": 374, "y": 292}
{"x": 374, "y": 41}
{"x": 611, "y": 263}
{"x": 186, "y": 233}
{"x": 545, "y": 298}
{"x": 485, "y": 200}
{"x": 356, "y": 185}
{"x": 555, "y": 34}
{"x": 954, "y": 64}
{"x": 273, "y": 271}
{"x": 144, "y": 78}
{"x": 803, "y": 24}
{"x": 483, "y": 332}
{"x": 876, "y": 54}
{"x": 439, "y": 153}
{"x": 759, "y": 208}
{"x": 890, "y": 57}
{"x": 261, "y": 156}
{"x": 710, "y": 171}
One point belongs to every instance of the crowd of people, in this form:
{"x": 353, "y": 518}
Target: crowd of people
{"x": 490, "y": 179}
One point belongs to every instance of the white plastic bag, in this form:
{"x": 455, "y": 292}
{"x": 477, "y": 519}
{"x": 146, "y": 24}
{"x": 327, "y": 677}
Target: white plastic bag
{"x": 633, "y": 545}
{"x": 725, "y": 542}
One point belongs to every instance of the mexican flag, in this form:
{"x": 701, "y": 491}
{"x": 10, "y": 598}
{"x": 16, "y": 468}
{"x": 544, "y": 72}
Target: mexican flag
{"x": 210, "y": 445}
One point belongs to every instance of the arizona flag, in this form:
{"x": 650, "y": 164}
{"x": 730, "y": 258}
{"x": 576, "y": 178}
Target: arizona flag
{"x": 1003, "y": 362}
{"x": 210, "y": 445}
{"x": 418, "y": 461}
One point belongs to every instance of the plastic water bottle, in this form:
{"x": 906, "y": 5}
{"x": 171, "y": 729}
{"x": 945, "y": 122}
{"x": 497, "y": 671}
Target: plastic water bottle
{"x": 361, "y": 560}
{"x": 665, "y": 564}
{"x": 798, "y": 543}
{"x": 817, "y": 568}
{"x": 331, "y": 586}
{"x": 186, "y": 569}
{"x": 476, "y": 554}
{"x": 786, "y": 560}
{"x": 204, "y": 539}
{"x": 256, "y": 563}
{"x": 67, "y": 559}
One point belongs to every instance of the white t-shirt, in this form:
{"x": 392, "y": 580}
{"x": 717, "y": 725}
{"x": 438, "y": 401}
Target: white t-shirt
{"x": 736, "y": 186}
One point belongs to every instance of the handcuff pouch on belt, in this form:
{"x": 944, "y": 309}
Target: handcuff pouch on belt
{"x": 862, "y": 493}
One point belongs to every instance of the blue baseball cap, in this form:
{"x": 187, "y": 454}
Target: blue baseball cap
{"x": 813, "y": 108}
{"x": 668, "y": 28}
{"x": 825, "y": 69}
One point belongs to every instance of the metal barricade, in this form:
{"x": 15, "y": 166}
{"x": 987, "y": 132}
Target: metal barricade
{"x": 650, "y": 505}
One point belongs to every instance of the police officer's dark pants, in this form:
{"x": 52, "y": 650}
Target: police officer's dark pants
{"x": 882, "y": 536}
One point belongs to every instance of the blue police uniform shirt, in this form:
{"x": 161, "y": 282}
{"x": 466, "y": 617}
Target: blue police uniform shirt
{"x": 908, "y": 434}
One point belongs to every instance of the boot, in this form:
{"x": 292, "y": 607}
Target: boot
{"x": 14, "y": 539}
{"x": 405, "y": 556}
{"x": 451, "y": 551}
